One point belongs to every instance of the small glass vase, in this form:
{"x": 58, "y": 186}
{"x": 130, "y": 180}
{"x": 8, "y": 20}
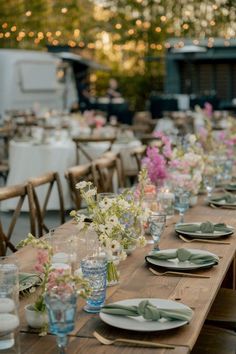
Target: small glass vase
{"x": 113, "y": 275}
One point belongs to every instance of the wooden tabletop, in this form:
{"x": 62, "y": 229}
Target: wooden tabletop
{"x": 136, "y": 281}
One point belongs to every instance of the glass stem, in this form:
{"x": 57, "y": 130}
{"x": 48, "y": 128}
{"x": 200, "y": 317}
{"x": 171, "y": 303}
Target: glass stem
{"x": 62, "y": 343}
{"x": 181, "y": 218}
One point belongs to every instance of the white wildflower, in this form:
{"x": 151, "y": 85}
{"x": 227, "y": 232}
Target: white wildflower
{"x": 122, "y": 255}
{"x": 81, "y": 185}
{"x": 106, "y": 203}
{"x": 115, "y": 245}
{"x": 91, "y": 192}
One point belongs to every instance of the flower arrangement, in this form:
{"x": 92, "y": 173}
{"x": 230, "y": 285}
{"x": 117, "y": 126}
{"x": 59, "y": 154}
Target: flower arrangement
{"x": 115, "y": 220}
{"x": 187, "y": 166}
{"x": 51, "y": 277}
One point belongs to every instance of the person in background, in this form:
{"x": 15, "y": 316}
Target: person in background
{"x": 113, "y": 90}
{"x": 84, "y": 94}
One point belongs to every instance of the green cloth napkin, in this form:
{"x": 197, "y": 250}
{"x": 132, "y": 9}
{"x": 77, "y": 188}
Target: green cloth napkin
{"x": 148, "y": 311}
{"x": 205, "y": 227}
{"x": 184, "y": 255}
{"x": 231, "y": 186}
{"x": 228, "y": 198}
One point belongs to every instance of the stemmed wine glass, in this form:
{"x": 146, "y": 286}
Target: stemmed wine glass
{"x": 181, "y": 203}
{"x": 156, "y": 223}
{"x": 61, "y": 306}
{"x": 209, "y": 183}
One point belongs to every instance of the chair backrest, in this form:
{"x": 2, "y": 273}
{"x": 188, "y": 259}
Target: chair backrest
{"x": 138, "y": 153}
{"x": 21, "y": 192}
{"x": 75, "y": 175}
{"x": 41, "y": 202}
{"x": 119, "y": 166}
{"x": 81, "y": 142}
{"x": 106, "y": 174}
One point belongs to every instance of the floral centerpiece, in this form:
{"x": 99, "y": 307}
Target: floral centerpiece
{"x": 115, "y": 220}
{"x": 187, "y": 166}
{"x": 50, "y": 277}
{"x": 157, "y": 158}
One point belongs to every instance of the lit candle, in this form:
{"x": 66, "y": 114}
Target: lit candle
{"x": 6, "y": 305}
{"x": 8, "y": 322}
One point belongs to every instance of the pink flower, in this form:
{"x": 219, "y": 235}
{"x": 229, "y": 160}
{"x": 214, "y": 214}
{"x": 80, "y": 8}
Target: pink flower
{"x": 208, "y": 110}
{"x": 42, "y": 259}
{"x": 155, "y": 164}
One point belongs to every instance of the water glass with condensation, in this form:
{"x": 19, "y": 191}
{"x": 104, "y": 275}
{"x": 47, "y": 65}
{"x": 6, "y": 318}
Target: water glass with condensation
{"x": 94, "y": 269}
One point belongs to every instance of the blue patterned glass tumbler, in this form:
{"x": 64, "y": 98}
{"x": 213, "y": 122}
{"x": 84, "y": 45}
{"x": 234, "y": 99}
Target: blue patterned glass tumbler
{"x": 94, "y": 269}
{"x": 61, "y": 303}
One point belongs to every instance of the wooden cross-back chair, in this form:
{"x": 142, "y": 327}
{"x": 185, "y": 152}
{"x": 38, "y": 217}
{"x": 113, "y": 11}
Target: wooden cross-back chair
{"x": 75, "y": 175}
{"x": 22, "y": 192}
{"x": 81, "y": 147}
{"x": 138, "y": 153}
{"x": 49, "y": 180}
{"x": 106, "y": 171}
{"x": 119, "y": 166}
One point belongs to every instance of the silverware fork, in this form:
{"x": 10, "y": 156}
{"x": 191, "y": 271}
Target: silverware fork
{"x": 183, "y": 274}
{"x": 203, "y": 240}
{"x": 143, "y": 343}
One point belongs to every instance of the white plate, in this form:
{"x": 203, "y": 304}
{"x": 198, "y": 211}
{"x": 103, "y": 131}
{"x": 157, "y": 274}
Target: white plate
{"x": 199, "y": 234}
{"x": 222, "y": 203}
{"x": 175, "y": 264}
{"x": 139, "y": 323}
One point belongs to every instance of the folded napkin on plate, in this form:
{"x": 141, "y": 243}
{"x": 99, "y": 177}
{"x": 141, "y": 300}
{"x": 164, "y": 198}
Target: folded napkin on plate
{"x": 148, "y": 311}
{"x": 205, "y": 227}
{"x": 227, "y": 198}
{"x": 231, "y": 186}
{"x": 183, "y": 255}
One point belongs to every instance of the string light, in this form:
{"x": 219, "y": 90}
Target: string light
{"x": 58, "y": 33}
{"x": 64, "y": 10}
{"x": 5, "y": 25}
{"x": 13, "y": 28}
{"x": 28, "y": 13}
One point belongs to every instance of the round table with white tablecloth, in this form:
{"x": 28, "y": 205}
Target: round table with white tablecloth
{"x": 28, "y": 159}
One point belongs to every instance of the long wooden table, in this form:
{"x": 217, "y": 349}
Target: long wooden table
{"x": 137, "y": 281}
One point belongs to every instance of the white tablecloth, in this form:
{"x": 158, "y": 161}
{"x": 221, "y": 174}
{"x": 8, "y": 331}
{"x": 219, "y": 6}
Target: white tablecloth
{"x": 28, "y": 160}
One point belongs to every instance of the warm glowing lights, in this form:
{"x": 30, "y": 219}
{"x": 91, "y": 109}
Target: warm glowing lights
{"x": 21, "y": 34}
{"x": 55, "y": 42}
{"x": 163, "y": 18}
{"x": 118, "y": 26}
{"x": 58, "y": 33}
{"x": 158, "y": 29}
{"x": 64, "y": 10}
{"x": 28, "y": 13}
{"x": 212, "y": 23}
{"x": 159, "y": 46}
{"x": 13, "y": 28}
{"x": 72, "y": 43}
{"x": 138, "y": 22}
{"x": 31, "y": 34}
{"x": 81, "y": 44}
{"x": 1, "y": 35}
{"x": 185, "y": 26}
{"x": 91, "y": 45}
{"x": 76, "y": 33}
{"x": 5, "y": 25}
{"x": 130, "y": 32}
{"x": 40, "y": 35}
{"x": 48, "y": 34}
{"x": 8, "y": 34}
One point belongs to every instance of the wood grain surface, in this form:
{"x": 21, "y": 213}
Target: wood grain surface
{"x": 136, "y": 281}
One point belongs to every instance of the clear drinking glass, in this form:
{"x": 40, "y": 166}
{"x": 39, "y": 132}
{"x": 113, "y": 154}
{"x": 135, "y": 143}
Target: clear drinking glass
{"x": 61, "y": 304}
{"x": 9, "y": 303}
{"x": 94, "y": 269}
{"x": 156, "y": 223}
{"x": 181, "y": 203}
{"x": 209, "y": 183}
